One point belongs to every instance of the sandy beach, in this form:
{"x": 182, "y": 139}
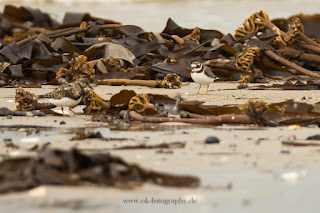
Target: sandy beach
{"x": 246, "y": 172}
{"x": 249, "y": 170}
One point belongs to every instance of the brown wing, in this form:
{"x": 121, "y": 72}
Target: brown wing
{"x": 208, "y": 71}
{"x": 73, "y": 90}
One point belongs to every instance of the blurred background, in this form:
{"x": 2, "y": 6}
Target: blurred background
{"x": 152, "y": 15}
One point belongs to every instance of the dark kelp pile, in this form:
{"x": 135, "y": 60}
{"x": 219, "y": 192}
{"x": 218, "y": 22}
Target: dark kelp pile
{"x": 38, "y": 50}
{"x": 155, "y": 108}
{"x": 58, "y": 167}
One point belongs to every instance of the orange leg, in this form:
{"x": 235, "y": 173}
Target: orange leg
{"x": 76, "y": 113}
{"x": 199, "y": 89}
{"x": 62, "y": 112}
{"x": 207, "y": 89}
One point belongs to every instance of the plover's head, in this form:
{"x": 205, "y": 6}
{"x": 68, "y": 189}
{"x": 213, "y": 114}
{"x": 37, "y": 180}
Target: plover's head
{"x": 196, "y": 67}
{"x": 85, "y": 83}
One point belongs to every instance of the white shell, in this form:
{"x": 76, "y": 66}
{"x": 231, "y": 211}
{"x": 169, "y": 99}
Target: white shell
{"x": 59, "y": 111}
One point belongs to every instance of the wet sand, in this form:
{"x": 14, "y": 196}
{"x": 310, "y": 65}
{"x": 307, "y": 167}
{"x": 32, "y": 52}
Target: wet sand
{"x": 246, "y": 172}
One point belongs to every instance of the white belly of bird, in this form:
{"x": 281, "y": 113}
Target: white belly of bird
{"x": 201, "y": 78}
{"x": 64, "y": 102}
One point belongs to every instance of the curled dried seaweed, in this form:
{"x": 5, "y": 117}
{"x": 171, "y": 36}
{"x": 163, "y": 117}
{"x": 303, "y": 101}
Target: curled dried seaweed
{"x": 4, "y": 66}
{"x": 78, "y": 69}
{"x": 140, "y": 103}
{"x": 171, "y": 81}
{"x": 83, "y": 25}
{"x": 252, "y": 25}
{"x": 18, "y": 35}
{"x": 94, "y": 102}
{"x": 245, "y": 59}
{"x": 28, "y": 101}
{"x": 194, "y": 35}
{"x": 296, "y": 29}
{"x": 81, "y": 134}
{"x": 25, "y": 99}
{"x": 256, "y": 110}
{"x": 109, "y": 64}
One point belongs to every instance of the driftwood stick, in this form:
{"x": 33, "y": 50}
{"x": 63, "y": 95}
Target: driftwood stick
{"x": 287, "y": 63}
{"x": 308, "y": 40}
{"x": 197, "y": 47}
{"x": 68, "y": 31}
{"x": 118, "y": 82}
{"x": 271, "y": 26}
{"x": 293, "y": 53}
{"x": 217, "y": 120}
{"x": 301, "y": 142}
{"x": 27, "y": 27}
{"x": 309, "y": 47}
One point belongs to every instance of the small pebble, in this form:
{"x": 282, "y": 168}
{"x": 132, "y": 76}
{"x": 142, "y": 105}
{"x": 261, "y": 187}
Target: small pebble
{"x": 161, "y": 151}
{"x": 245, "y": 202}
{"x": 233, "y": 145}
{"x": 9, "y": 117}
{"x": 212, "y": 139}
{"x": 303, "y": 98}
{"x": 258, "y": 141}
{"x": 62, "y": 123}
{"x": 285, "y": 151}
{"x": 55, "y": 121}
{"x": 7, "y": 139}
{"x": 242, "y": 86}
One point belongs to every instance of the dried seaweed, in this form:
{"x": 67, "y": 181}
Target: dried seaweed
{"x": 58, "y": 167}
{"x": 79, "y": 68}
{"x": 156, "y": 146}
{"x": 43, "y": 50}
